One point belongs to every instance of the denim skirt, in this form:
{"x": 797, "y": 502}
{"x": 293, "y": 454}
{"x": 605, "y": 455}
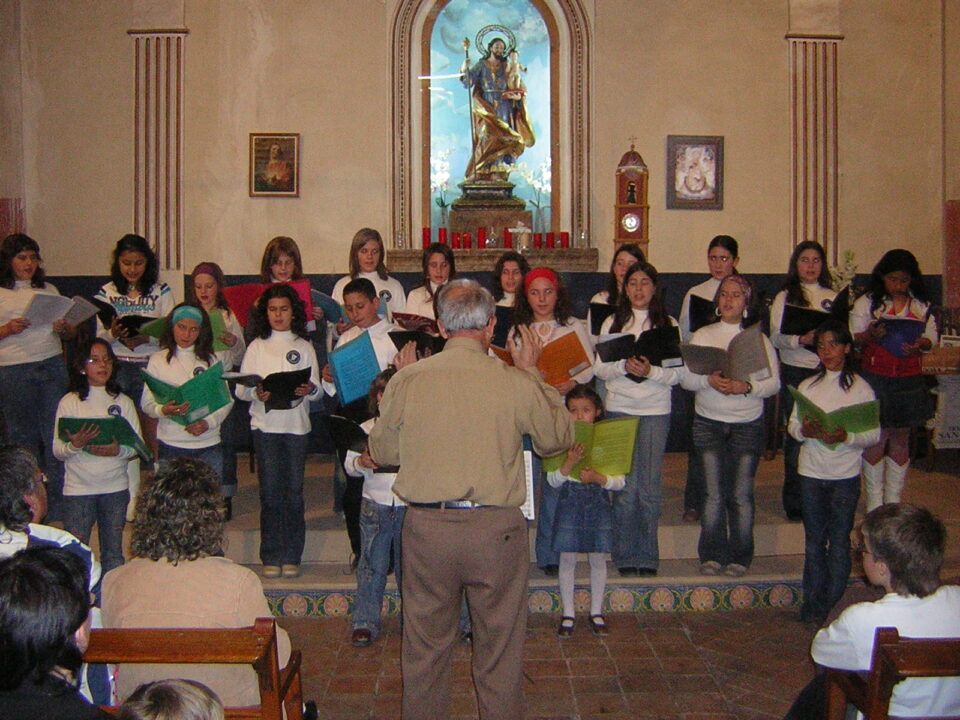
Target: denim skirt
{"x": 584, "y": 520}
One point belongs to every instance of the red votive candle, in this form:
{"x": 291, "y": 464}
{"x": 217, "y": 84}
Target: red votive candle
{"x": 442, "y": 235}
{"x": 456, "y": 241}
{"x": 426, "y": 237}
{"x": 481, "y": 238}
{"x": 466, "y": 241}
{"x": 507, "y": 238}
{"x": 550, "y": 240}
{"x": 564, "y": 239}
{"x": 538, "y": 240}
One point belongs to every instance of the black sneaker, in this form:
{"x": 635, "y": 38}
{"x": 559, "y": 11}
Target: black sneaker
{"x": 551, "y": 570}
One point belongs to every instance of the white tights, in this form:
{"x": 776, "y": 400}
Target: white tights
{"x": 598, "y": 581}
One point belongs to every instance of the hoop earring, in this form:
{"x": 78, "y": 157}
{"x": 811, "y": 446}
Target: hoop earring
{"x": 716, "y": 311}
{"x": 744, "y": 313}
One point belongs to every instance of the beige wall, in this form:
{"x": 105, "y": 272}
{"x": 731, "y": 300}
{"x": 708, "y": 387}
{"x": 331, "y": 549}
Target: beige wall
{"x": 322, "y": 69}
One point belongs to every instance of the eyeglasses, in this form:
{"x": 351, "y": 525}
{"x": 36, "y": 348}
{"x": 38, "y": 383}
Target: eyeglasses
{"x": 95, "y": 360}
{"x": 719, "y": 258}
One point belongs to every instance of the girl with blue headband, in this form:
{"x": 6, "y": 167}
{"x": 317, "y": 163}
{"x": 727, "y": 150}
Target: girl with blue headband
{"x": 187, "y": 351}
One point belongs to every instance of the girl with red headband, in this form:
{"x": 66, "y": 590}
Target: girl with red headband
{"x": 545, "y": 307}
{"x": 728, "y": 434}
{"x": 636, "y": 388}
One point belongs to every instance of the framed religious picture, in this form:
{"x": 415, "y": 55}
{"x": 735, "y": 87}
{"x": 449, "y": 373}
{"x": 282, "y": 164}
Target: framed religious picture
{"x": 274, "y": 164}
{"x": 694, "y": 172}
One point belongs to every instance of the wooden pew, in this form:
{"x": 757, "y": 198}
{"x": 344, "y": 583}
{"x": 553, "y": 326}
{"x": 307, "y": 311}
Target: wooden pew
{"x": 894, "y": 659}
{"x": 280, "y": 689}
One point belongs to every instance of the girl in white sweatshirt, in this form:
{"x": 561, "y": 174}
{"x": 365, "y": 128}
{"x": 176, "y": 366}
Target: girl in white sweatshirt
{"x": 829, "y": 470}
{"x": 280, "y": 434}
{"x": 96, "y": 486}
{"x": 187, "y": 343}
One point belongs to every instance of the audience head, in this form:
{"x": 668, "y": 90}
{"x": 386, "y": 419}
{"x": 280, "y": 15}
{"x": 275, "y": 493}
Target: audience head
{"x": 172, "y": 700}
{"x": 463, "y": 306}
{"x": 134, "y": 265}
{"x": 281, "y": 261}
{"x": 367, "y": 253}
{"x": 722, "y": 256}
{"x": 180, "y": 513}
{"x": 12, "y": 247}
{"x": 508, "y": 273}
{"x": 23, "y": 496}
{"x": 44, "y": 605}
{"x": 904, "y": 547}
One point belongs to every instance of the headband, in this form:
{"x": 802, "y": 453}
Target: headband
{"x": 205, "y": 268}
{"x": 742, "y": 282}
{"x": 541, "y": 273}
{"x": 187, "y": 311}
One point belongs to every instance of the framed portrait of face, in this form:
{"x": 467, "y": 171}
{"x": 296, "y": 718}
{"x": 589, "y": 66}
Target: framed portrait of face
{"x": 694, "y": 172}
{"x": 274, "y": 164}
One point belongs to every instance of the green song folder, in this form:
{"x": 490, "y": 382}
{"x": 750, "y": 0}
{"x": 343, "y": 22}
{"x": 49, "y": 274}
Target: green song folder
{"x": 608, "y": 444}
{"x": 206, "y": 393}
{"x": 858, "y": 418}
{"x": 111, "y": 428}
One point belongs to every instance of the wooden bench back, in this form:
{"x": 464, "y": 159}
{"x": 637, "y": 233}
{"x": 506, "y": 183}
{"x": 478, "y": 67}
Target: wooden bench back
{"x": 255, "y": 646}
{"x": 894, "y": 659}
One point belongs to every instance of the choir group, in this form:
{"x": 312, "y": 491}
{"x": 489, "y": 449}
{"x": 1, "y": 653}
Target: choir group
{"x": 846, "y": 367}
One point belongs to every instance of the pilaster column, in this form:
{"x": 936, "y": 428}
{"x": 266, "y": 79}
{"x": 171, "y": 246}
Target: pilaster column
{"x": 158, "y": 142}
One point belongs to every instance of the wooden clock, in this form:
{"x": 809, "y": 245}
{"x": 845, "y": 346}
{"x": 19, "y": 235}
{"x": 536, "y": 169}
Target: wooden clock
{"x": 631, "y": 212}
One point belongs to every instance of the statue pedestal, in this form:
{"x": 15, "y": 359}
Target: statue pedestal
{"x": 488, "y": 204}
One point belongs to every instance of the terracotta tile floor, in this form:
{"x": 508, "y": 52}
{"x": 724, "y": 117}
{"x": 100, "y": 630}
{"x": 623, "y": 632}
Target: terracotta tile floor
{"x": 733, "y": 665}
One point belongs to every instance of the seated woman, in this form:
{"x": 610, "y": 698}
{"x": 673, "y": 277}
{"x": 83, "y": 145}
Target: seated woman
{"x": 178, "y": 580}
{"x": 44, "y": 629}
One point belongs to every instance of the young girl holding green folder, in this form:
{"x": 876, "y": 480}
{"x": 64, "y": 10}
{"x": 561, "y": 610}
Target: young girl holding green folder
{"x": 96, "y": 486}
{"x": 187, "y": 343}
{"x": 829, "y": 467}
{"x": 584, "y": 520}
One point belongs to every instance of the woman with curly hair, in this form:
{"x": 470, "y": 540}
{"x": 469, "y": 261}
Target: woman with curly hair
{"x": 179, "y": 579}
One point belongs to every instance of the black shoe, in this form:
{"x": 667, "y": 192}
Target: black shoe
{"x": 628, "y": 572}
{"x": 646, "y": 572}
{"x": 361, "y": 638}
{"x": 227, "y": 509}
{"x": 551, "y": 570}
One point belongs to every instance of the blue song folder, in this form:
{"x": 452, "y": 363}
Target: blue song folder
{"x": 354, "y": 366}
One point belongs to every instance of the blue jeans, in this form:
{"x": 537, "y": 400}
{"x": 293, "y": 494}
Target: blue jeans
{"x": 828, "y": 511}
{"x": 792, "y": 493}
{"x": 636, "y": 508}
{"x": 280, "y": 464}
{"x": 234, "y": 434}
{"x": 212, "y": 456}
{"x": 109, "y": 512}
{"x": 546, "y": 514}
{"x": 29, "y": 395}
{"x": 727, "y": 454}
{"x": 380, "y": 527}
{"x": 130, "y": 380}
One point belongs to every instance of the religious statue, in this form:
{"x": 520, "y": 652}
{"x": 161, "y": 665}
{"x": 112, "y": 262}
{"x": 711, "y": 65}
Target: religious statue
{"x": 500, "y": 128}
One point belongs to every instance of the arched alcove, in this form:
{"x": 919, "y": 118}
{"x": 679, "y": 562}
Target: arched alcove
{"x": 570, "y": 127}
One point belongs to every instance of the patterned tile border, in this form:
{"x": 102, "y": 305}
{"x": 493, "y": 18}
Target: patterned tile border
{"x": 692, "y": 598}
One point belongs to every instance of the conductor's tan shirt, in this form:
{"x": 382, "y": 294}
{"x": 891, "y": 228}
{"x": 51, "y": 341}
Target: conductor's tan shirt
{"x": 454, "y": 424}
